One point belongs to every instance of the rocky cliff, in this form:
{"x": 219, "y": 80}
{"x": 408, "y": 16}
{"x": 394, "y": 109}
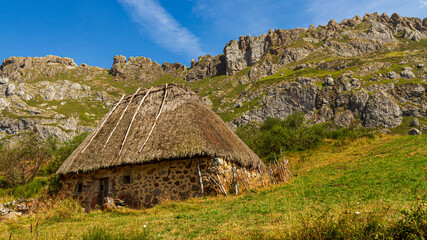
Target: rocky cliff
{"x": 366, "y": 71}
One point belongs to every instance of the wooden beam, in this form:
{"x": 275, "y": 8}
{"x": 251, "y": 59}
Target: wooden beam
{"x": 259, "y": 170}
{"x": 247, "y": 179}
{"x": 200, "y": 177}
{"x": 157, "y": 117}
{"x": 216, "y": 184}
{"x": 235, "y": 183}
{"x": 241, "y": 180}
{"x": 270, "y": 174}
{"x": 102, "y": 124}
{"x": 220, "y": 183}
{"x": 133, "y": 118}
{"x": 121, "y": 116}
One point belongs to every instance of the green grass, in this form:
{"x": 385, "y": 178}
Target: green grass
{"x": 378, "y": 178}
{"x": 166, "y": 78}
{"x": 405, "y": 126}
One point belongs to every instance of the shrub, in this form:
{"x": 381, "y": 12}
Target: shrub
{"x": 293, "y": 134}
{"x": 60, "y": 154}
{"x": 3, "y": 182}
{"x": 28, "y": 190}
{"x": 32, "y": 157}
{"x": 21, "y": 163}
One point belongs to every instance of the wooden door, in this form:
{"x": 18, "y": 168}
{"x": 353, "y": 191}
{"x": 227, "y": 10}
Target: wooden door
{"x": 103, "y": 189}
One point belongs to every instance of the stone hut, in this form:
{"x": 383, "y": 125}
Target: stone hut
{"x": 159, "y": 143}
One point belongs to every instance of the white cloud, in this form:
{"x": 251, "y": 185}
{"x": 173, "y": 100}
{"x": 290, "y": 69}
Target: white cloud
{"x": 423, "y": 3}
{"x": 162, "y": 27}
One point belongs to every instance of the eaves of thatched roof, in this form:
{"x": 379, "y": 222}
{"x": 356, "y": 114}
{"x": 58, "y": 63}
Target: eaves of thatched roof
{"x": 185, "y": 128}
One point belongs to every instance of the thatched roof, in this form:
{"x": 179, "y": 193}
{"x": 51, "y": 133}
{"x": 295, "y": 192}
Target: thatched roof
{"x": 186, "y": 128}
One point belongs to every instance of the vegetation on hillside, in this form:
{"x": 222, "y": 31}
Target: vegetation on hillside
{"x": 294, "y": 134}
{"x": 31, "y": 164}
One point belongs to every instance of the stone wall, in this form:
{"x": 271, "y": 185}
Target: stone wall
{"x": 139, "y": 185}
{"x": 148, "y": 184}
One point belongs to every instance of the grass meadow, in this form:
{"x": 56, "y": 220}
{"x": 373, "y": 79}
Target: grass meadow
{"x": 368, "y": 189}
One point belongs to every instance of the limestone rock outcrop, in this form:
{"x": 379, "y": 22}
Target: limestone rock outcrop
{"x": 382, "y": 111}
{"x": 137, "y": 68}
{"x": 206, "y": 66}
{"x": 26, "y": 68}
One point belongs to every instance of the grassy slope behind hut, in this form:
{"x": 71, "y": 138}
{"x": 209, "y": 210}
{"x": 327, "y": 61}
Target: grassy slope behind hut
{"x": 377, "y": 178}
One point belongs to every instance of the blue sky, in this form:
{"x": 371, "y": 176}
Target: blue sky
{"x": 93, "y": 31}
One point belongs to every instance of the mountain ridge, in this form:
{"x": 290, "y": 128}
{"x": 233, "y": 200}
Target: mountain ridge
{"x": 366, "y": 72}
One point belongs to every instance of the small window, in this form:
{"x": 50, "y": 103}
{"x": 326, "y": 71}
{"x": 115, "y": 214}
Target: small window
{"x": 80, "y": 187}
{"x": 126, "y": 179}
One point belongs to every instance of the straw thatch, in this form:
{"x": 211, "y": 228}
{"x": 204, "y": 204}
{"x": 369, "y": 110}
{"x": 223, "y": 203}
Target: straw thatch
{"x": 185, "y": 128}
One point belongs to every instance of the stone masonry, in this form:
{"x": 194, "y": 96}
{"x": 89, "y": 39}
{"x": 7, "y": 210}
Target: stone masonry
{"x": 139, "y": 185}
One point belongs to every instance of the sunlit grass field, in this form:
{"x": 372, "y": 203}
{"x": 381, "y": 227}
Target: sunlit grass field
{"x": 370, "y": 188}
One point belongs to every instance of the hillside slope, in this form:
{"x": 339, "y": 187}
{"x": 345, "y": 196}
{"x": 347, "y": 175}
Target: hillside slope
{"x": 365, "y": 190}
{"x": 368, "y": 72}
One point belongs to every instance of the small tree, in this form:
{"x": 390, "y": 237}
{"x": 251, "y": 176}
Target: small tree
{"x": 19, "y": 164}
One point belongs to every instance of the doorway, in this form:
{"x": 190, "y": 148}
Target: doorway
{"x": 103, "y": 189}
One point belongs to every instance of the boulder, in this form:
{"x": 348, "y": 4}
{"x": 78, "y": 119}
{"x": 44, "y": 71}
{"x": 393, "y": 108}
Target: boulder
{"x": 329, "y": 81}
{"x": 344, "y": 119}
{"x": 333, "y": 25}
{"x": 414, "y": 35}
{"x": 27, "y": 68}
{"x": 3, "y": 104}
{"x": 304, "y": 80}
{"x": 414, "y": 131}
{"x": 4, "y": 80}
{"x": 393, "y": 75}
{"x": 358, "y": 100}
{"x": 347, "y": 83}
{"x": 381, "y": 32}
{"x": 407, "y": 74}
{"x": 303, "y": 66}
{"x": 415, "y": 122}
{"x": 207, "y": 101}
{"x": 10, "y": 89}
{"x": 381, "y": 111}
{"x": 257, "y": 48}
{"x": 69, "y": 124}
{"x": 45, "y": 131}
{"x": 171, "y": 68}
{"x": 293, "y": 54}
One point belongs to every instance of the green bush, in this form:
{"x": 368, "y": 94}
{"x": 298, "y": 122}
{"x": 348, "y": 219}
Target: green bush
{"x": 29, "y": 190}
{"x": 293, "y": 134}
{"x": 3, "y": 182}
{"x": 22, "y": 164}
{"x": 60, "y": 154}
{"x": 53, "y": 184}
